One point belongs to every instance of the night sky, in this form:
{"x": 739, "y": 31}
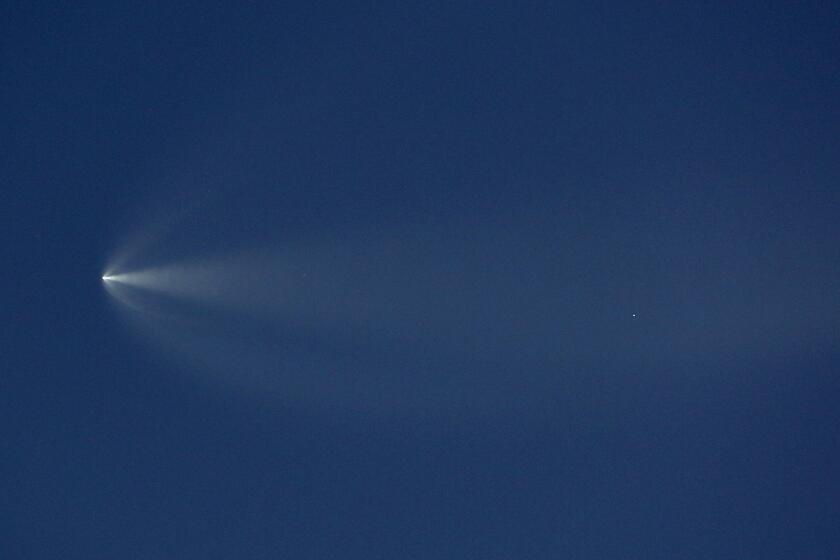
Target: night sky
{"x": 551, "y": 280}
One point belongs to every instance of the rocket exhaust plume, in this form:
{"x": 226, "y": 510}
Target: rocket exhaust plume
{"x": 452, "y": 319}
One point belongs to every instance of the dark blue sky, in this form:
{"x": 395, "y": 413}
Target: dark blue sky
{"x": 673, "y": 160}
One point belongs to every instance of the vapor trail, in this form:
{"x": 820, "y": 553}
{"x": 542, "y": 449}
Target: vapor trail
{"x": 445, "y": 319}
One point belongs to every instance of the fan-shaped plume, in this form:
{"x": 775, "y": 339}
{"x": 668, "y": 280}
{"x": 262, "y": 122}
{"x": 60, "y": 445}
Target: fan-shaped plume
{"x": 390, "y": 320}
